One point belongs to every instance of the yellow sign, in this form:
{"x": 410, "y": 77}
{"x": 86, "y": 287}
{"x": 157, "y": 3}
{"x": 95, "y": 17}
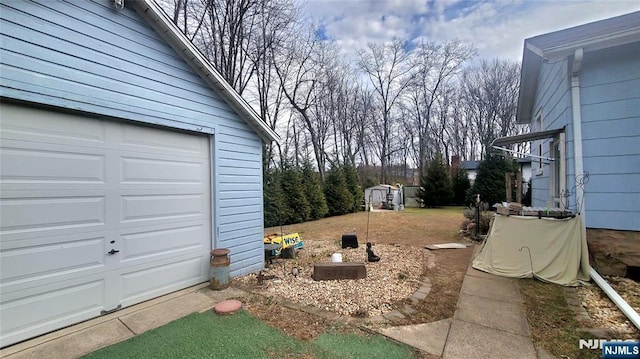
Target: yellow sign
{"x": 290, "y": 240}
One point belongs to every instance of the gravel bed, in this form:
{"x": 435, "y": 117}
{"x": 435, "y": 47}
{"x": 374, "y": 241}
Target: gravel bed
{"x": 603, "y": 312}
{"x": 395, "y": 277}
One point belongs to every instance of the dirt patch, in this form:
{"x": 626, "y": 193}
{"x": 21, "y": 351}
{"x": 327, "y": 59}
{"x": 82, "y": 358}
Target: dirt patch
{"x": 403, "y": 233}
{"x": 613, "y": 252}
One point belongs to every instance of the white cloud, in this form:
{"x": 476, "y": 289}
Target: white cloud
{"x": 497, "y": 28}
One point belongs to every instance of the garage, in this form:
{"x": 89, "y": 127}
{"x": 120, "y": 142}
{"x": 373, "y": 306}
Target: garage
{"x": 96, "y": 214}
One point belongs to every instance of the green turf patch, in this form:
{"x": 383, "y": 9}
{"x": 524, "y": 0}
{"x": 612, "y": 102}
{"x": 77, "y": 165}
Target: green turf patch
{"x": 241, "y": 335}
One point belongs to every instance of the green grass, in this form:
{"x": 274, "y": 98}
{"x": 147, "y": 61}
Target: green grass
{"x": 241, "y": 335}
{"x": 340, "y": 345}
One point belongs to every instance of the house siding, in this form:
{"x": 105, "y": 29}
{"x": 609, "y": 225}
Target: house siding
{"x": 553, "y": 101}
{"x": 86, "y": 56}
{"x": 610, "y": 109}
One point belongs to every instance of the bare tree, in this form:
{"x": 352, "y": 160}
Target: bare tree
{"x": 490, "y": 97}
{"x": 389, "y": 71}
{"x": 300, "y": 67}
{"x": 436, "y": 67}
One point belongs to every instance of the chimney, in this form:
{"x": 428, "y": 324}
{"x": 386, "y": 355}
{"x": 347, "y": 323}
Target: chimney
{"x": 455, "y": 164}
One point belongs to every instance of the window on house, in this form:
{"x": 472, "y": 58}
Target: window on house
{"x": 538, "y": 128}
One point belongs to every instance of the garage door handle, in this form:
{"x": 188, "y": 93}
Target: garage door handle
{"x": 113, "y": 251}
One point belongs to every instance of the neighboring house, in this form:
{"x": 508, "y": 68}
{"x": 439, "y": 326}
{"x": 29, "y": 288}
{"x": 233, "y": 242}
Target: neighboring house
{"x": 381, "y": 194}
{"x": 580, "y": 93}
{"x": 125, "y": 158}
{"x": 524, "y": 166}
{"x": 472, "y": 169}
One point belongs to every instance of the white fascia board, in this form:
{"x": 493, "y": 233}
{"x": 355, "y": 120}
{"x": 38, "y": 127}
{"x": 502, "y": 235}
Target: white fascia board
{"x": 163, "y": 25}
{"x": 592, "y": 44}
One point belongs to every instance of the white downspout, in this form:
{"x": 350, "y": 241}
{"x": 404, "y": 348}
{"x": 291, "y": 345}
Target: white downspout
{"x": 581, "y": 208}
{"x": 616, "y": 298}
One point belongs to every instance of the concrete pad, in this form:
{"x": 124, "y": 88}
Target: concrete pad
{"x": 428, "y": 337}
{"x": 446, "y": 246}
{"x": 469, "y": 340}
{"x": 394, "y": 314}
{"x": 165, "y": 312}
{"x": 228, "y": 307}
{"x": 505, "y": 291}
{"x": 78, "y": 343}
{"x": 492, "y": 313}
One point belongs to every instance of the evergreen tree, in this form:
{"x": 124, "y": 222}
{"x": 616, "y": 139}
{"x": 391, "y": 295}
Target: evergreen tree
{"x": 489, "y": 182}
{"x": 313, "y": 192}
{"x": 436, "y": 184}
{"x": 339, "y": 199}
{"x": 294, "y": 194}
{"x": 461, "y": 185}
{"x": 353, "y": 185}
{"x": 275, "y": 209}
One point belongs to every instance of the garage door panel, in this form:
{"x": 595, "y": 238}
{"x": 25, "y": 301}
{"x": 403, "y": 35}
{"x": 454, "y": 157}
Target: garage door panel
{"x": 137, "y": 285}
{"x": 165, "y": 207}
{"x": 162, "y": 242}
{"x": 46, "y": 308}
{"x": 155, "y": 171}
{"x": 50, "y": 261}
{"x": 42, "y": 214}
{"x": 50, "y": 127}
{"x": 161, "y": 141}
{"x": 20, "y": 165}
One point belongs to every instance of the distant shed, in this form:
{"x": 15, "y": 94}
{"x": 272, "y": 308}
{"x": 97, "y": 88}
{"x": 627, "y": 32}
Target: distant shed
{"x": 378, "y": 195}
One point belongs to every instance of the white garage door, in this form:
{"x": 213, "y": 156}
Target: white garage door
{"x": 95, "y": 214}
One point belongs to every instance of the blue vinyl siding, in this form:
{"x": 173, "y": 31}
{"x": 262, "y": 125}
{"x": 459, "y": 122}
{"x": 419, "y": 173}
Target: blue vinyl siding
{"x": 610, "y": 112}
{"x": 553, "y": 101}
{"x": 610, "y": 99}
{"x": 87, "y": 56}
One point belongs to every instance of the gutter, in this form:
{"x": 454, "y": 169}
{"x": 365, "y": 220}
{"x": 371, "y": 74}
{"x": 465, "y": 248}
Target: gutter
{"x": 577, "y": 134}
{"x": 615, "y": 298}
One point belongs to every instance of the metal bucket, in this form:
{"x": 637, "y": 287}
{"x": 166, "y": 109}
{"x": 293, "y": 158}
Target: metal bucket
{"x": 220, "y": 269}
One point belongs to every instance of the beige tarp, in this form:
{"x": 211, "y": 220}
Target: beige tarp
{"x": 558, "y": 250}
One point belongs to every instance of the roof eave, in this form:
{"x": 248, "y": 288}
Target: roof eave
{"x": 597, "y": 43}
{"x": 156, "y": 17}
{"x": 531, "y": 63}
{"x": 534, "y": 54}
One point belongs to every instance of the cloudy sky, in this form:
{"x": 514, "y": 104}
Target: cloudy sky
{"x": 496, "y": 27}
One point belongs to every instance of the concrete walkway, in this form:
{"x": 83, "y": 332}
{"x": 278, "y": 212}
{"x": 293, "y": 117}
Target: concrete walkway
{"x": 489, "y": 322}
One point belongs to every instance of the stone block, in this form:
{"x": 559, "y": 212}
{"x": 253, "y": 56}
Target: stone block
{"x": 339, "y": 270}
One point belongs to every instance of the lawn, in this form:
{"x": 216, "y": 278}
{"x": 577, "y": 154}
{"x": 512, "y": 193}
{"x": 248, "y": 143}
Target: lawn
{"x": 413, "y": 226}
